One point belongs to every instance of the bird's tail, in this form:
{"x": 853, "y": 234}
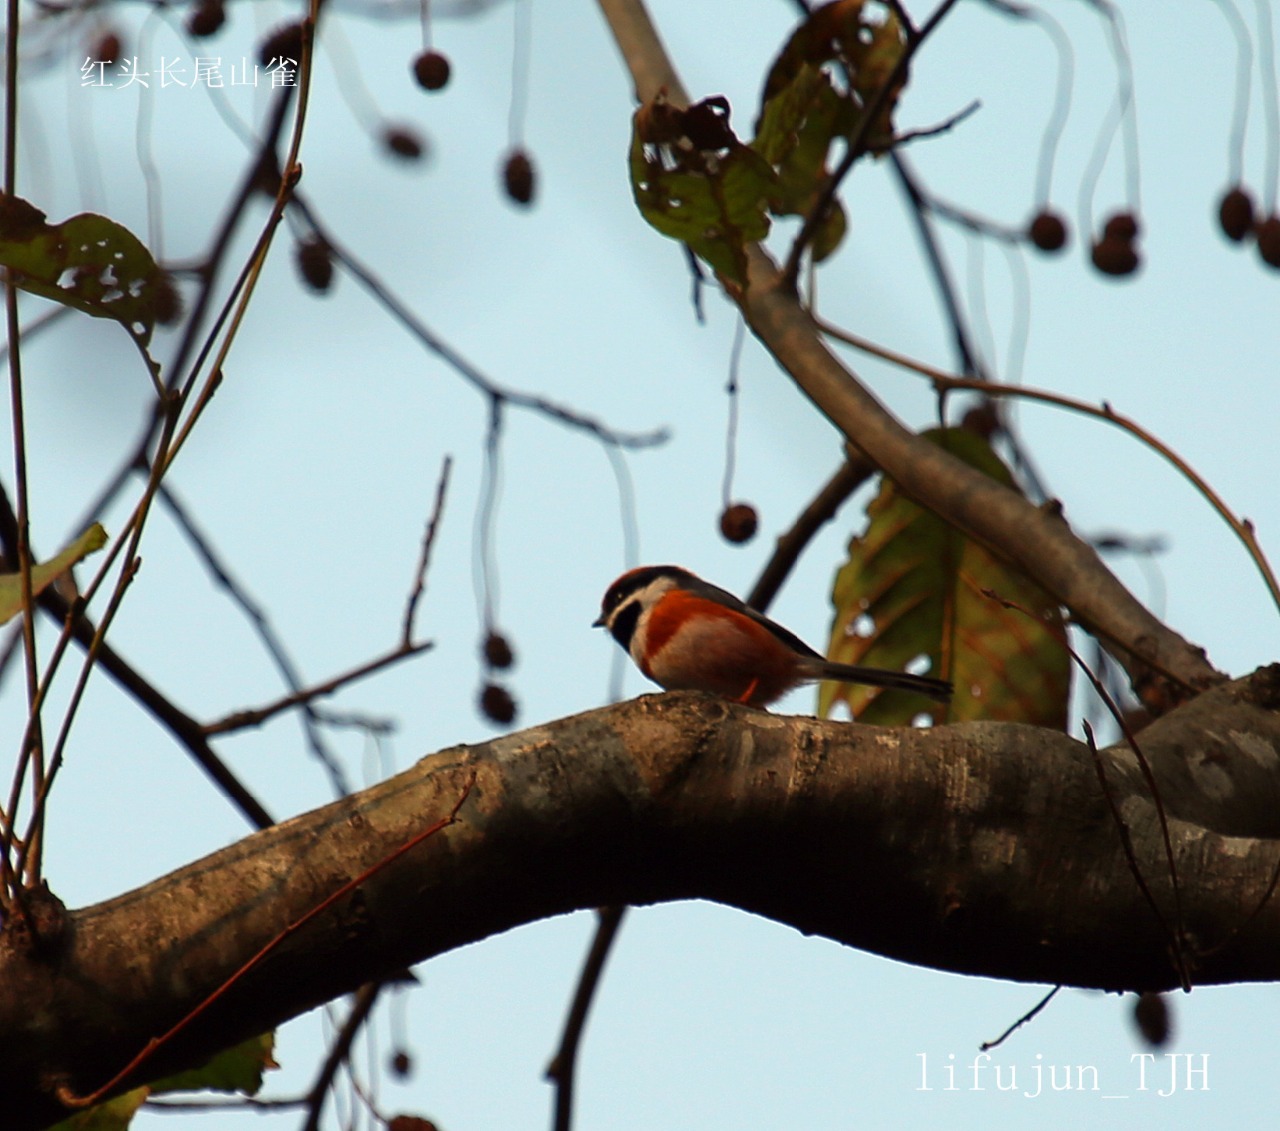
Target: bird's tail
{"x": 939, "y": 689}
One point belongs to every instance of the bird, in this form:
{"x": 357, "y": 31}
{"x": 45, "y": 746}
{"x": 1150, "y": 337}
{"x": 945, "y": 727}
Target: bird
{"x": 687, "y": 634}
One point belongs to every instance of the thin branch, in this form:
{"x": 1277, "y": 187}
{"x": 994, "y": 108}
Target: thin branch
{"x": 848, "y": 477}
{"x": 854, "y": 145}
{"x": 986, "y": 1046}
{"x": 972, "y": 222}
{"x": 31, "y": 756}
{"x": 1126, "y": 842}
{"x": 473, "y": 376}
{"x": 366, "y": 998}
{"x": 1177, "y": 934}
{"x": 563, "y": 1065}
{"x": 188, "y": 732}
{"x": 943, "y": 127}
{"x": 424, "y": 557}
{"x": 968, "y": 355}
{"x": 262, "y": 625}
{"x": 165, "y": 1105}
{"x": 240, "y": 720}
{"x": 180, "y": 725}
{"x": 1241, "y": 527}
{"x": 35, "y": 826}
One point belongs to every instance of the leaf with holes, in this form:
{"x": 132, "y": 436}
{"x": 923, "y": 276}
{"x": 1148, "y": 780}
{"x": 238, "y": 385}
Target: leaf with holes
{"x": 853, "y": 41}
{"x": 794, "y": 133}
{"x": 88, "y": 262}
{"x": 695, "y": 182}
{"x": 43, "y": 573}
{"x": 914, "y": 587}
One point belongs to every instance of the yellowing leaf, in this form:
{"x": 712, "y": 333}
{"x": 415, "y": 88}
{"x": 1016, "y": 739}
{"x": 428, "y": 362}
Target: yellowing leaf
{"x": 88, "y": 262}
{"x": 914, "y": 587}
{"x": 42, "y": 573}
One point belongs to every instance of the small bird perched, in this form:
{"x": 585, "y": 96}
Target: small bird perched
{"x": 685, "y": 633}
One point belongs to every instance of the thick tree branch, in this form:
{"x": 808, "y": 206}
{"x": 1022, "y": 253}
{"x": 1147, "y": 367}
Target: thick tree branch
{"x": 1035, "y": 540}
{"x": 982, "y": 848}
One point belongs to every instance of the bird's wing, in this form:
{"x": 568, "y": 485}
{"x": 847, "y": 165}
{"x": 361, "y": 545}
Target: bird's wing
{"x": 724, "y": 597}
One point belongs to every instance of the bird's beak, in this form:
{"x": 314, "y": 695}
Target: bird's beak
{"x": 599, "y": 622}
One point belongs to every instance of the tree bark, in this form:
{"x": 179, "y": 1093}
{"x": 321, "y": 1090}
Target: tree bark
{"x": 981, "y": 848}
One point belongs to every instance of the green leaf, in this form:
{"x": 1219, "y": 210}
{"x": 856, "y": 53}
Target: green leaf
{"x": 237, "y": 1069}
{"x": 43, "y": 573}
{"x": 797, "y": 128}
{"x": 88, "y": 262}
{"x": 913, "y": 586}
{"x": 861, "y": 41}
{"x": 715, "y": 202}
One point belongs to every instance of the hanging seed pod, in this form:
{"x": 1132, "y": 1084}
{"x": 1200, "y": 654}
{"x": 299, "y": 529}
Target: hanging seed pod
{"x": 431, "y": 70}
{"x": 315, "y": 263}
{"x": 1268, "y": 233}
{"x": 283, "y": 43}
{"x": 739, "y": 523}
{"x": 1235, "y": 213}
{"x": 497, "y": 651}
{"x": 497, "y": 704}
{"x": 403, "y": 142}
{"x": 1151, "y": 1014}
{"x": 1048, "y": 231}
{"x": 518, "y": 177}
{"x": 207, "y": 18}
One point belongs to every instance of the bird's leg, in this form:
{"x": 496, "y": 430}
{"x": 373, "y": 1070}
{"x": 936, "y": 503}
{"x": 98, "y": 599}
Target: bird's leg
{"x": 745, "y": 697}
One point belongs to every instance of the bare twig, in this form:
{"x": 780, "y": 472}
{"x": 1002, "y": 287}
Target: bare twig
{"x": 967, "y": 354}
{"x": 1126, "y": 842}
{"x": 848, "y": 477}
{"x": 239, "y": 720}
{"x": 424, "y": 558}
{"x": 987, "y": 1046}
{"x": 180, "y": 725}
{"x": 563, "y": 1065}
{"x": 361, "y": 1006}
{"x": 31, "y": 755}
{"x": 236, "y": 1103}
{"x": 945, "y": 126}
{"x": 460, "y": 365}
{"x": 261, "y": 622}
{"x": 854, "y": 145}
